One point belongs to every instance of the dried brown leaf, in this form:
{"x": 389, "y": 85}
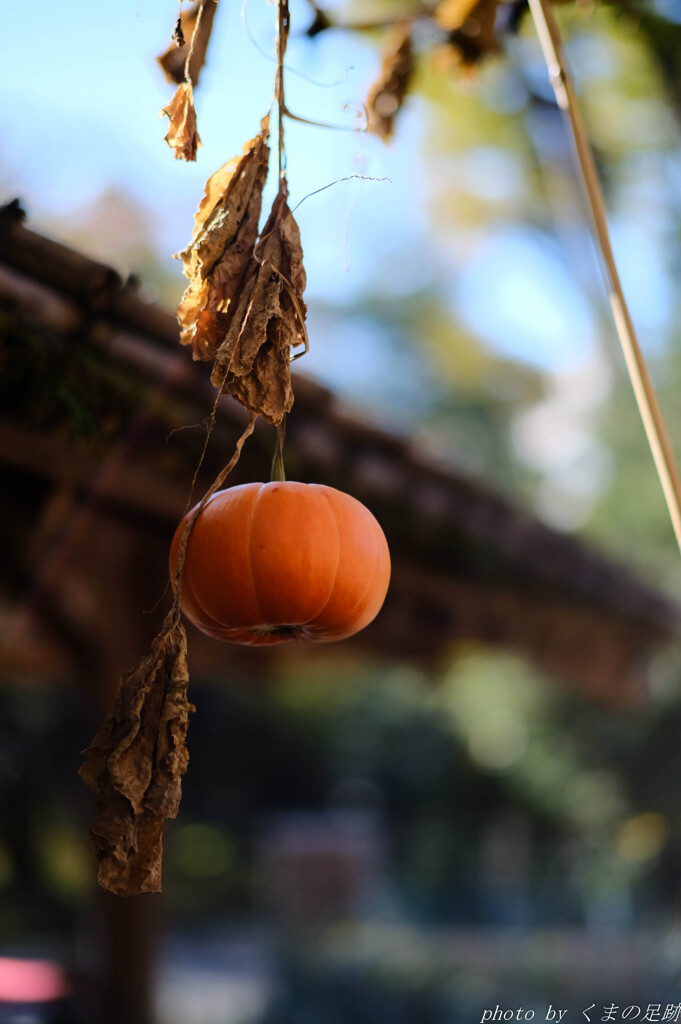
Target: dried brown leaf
{"x": 253, "y": 361}
{"x": 191, "y": 35}
{"x": 221, "y": 249}
{"x": 472, "y": 29}
{"x": 182, "y": 135}
{"x": 135, "y": 764}
{"x": 388, "y": 92}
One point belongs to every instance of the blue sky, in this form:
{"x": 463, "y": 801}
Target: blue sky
{"x": 83, "y": 112}
{"x": 80, "y": 112}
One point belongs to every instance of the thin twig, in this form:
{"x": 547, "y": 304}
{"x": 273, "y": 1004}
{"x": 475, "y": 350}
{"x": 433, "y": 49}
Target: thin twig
{"x": 195, "y": 36}
{"x": 651, "y": 414}
{"x": 209, "y": 430}
{"x": 283, "y": 25}
{"x": 324, "y": 124}
{"x": 287, "y": 68}
{"x": 348, "y": 177}
{"x": 217, "y": 483}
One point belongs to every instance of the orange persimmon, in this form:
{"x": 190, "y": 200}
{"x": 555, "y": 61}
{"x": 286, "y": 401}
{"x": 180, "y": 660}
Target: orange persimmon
{"x": 283, "y": 561}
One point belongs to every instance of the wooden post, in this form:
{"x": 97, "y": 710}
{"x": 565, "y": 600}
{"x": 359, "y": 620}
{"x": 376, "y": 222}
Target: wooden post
{"x": 114, "y": 559}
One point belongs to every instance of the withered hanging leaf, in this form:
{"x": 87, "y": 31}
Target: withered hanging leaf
{"x": 221, "y": 249}
{"x": 135, "y": 764}
{"x": 472, "y": 29}
{"x": 182, "y": 135}
{"x": 189, "y": 38}
{"x": 253, "y": 361}
{"x": 390, "y": 89}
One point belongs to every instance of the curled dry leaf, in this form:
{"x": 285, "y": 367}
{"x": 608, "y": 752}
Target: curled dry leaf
{"x": 472, "y": 29}
{"x": 192, "y": 35}
{"x": 253, "y": 362}
{"x": 221, "y": 249}
{"x": 135, "y": 764}
{"x": 390, "y": 89}
{"x": 182, "y": 135}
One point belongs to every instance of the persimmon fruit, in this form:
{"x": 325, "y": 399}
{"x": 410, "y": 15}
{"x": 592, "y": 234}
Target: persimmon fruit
{"x": 283, "y": 561}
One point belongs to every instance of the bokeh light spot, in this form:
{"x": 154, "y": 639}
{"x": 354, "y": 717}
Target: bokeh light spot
{"x": 642, "y": 837}
{"x": 498, "y": 741}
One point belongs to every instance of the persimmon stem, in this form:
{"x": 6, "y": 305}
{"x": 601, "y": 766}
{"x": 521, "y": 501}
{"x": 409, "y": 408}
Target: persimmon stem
{"x": 648, "y": 405}
{"x": 277, "y": 472}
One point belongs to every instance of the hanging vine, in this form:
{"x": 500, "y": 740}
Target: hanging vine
{"x": 244, "y": 309}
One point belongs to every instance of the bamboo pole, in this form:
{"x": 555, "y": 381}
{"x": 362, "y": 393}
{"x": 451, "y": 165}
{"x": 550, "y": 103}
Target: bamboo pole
{"x": 649, "y": 408}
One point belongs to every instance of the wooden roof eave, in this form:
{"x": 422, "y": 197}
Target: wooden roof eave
{"x": 432, "y": 515}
